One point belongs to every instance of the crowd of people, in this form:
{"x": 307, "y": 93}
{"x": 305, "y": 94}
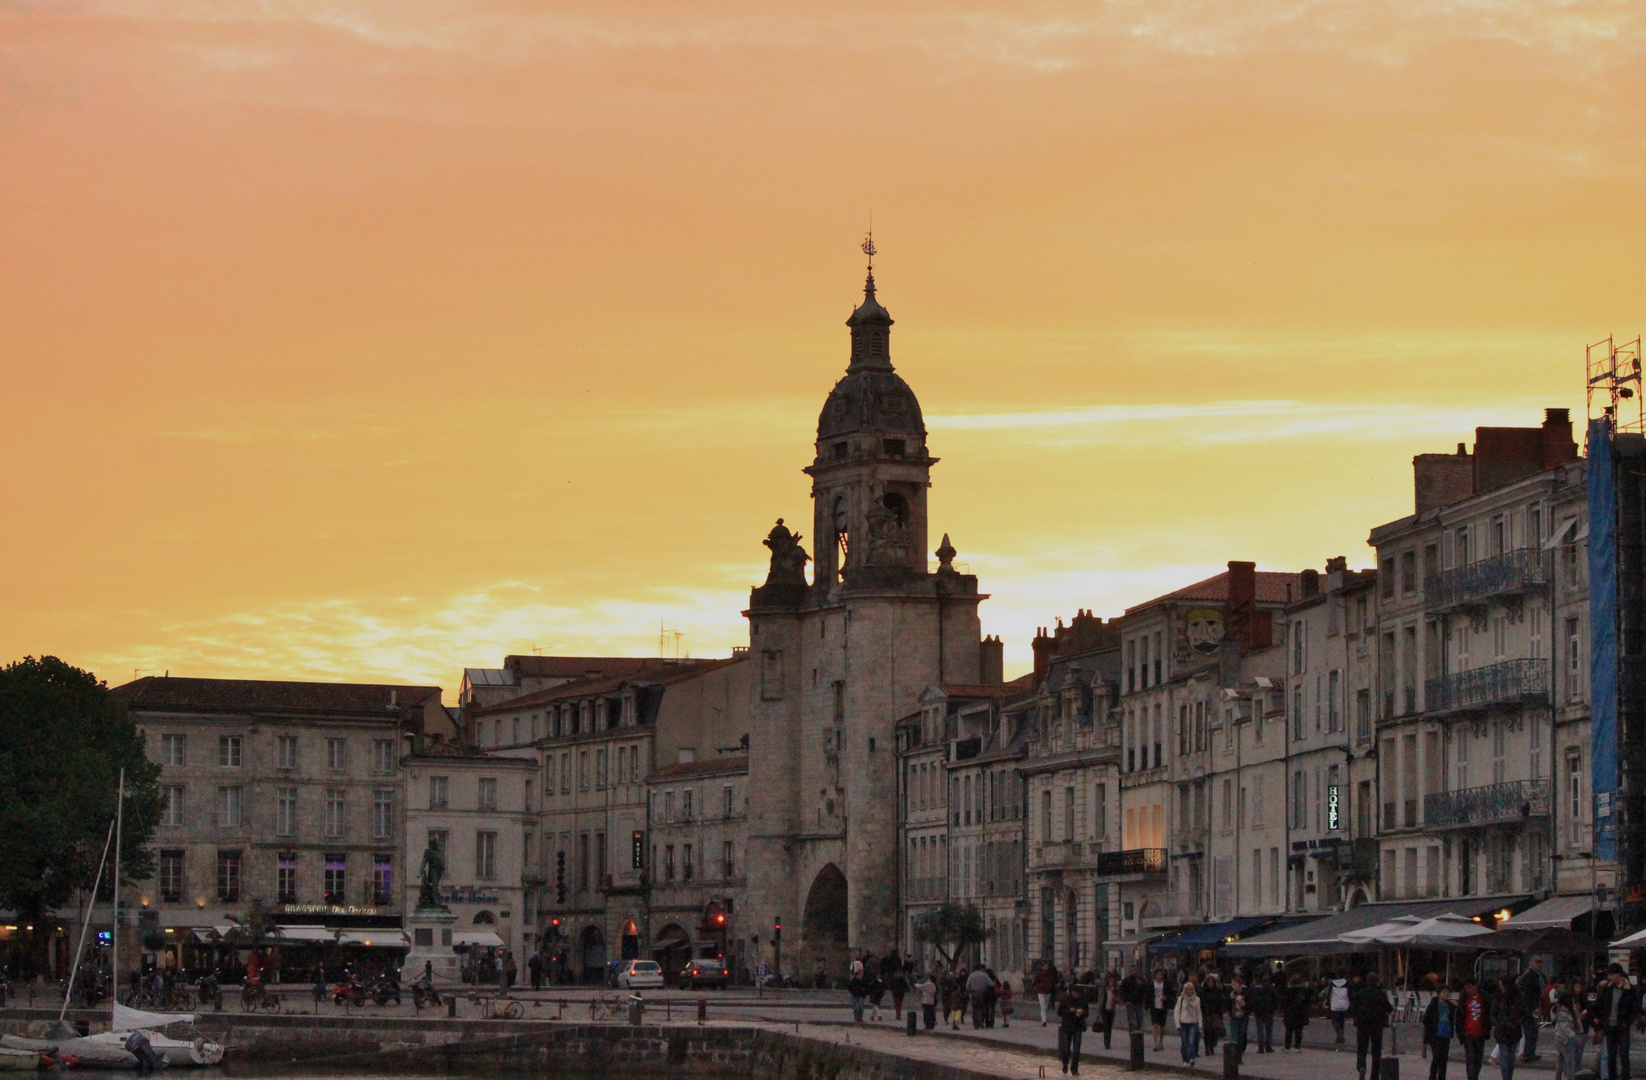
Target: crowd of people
{"x": 1491, "y": 1019}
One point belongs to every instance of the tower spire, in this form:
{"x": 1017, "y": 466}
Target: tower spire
{"x": 870, "y": 250}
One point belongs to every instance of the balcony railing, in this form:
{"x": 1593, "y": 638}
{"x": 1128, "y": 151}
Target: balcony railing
{"x": 1500, "y": 575}
{"x": 1482, "y": 687}
{"x": 1487, "y": 805}
{"x": 1132, "y": 861}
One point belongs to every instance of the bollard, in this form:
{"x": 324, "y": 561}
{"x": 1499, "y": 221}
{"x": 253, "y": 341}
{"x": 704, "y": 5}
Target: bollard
{"x": 1394, "y": 1039}
{"x": 1390, "y": 1069}
{"x": 1136, "y": 1063}
{"x": 451, "y": 1005}
{"x": 637, "y": 1011}
{"x": 1231, "y": 1062}
{"x": 911, "y": 1022}
{"x": 702, "y": 1009}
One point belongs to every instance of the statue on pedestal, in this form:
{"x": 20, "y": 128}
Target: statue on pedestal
{"x": 429, "y": 872}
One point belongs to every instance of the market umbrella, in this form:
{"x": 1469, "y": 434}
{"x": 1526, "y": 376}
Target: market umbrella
{"x": 1377, "y": 935}
{"x": 1440, "y": 930}
{"x": 1545, "y": 941}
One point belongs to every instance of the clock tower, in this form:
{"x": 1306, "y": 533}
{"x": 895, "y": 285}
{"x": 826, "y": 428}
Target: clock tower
{"x": 841, "y": 658}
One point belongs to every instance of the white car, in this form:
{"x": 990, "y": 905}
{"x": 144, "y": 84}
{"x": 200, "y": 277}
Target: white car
{"x": 640, "y": 974}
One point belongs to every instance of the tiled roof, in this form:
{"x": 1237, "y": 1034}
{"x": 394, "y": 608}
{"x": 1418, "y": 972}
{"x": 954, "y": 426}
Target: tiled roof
{"x": 451, "y": 750}
{"x": 685, "y": 770}
{"x": 1273, "y": 587}
{"x": 580, "y": 667}
{"x": 665, "y": 674}
{"x": 259, "y": 696}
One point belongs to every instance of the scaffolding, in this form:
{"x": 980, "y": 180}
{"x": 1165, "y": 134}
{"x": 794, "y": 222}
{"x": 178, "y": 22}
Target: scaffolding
{"x": 1614, "y": 378}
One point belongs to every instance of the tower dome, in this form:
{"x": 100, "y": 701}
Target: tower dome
{"x": 871, "y": 396}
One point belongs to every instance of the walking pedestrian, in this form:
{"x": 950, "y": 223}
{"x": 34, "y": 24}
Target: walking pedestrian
{"x": 1263, "y": 1000}
{"x": 858, "y": 987}
{"x": 1211, "y": 1012}
{"x": 1188, "y": 1023}
{"x": 1107, "y": 1003}
{"x": 1238, "y": 1012}
{"x": 1618, "y": 1005}
{"x": 977, "y": 989}
{"x": 896, "y": 974}
{"x": 1337, "y": 1004}
{"x": 1004, "y": 995}
{"x": 1371, "y": 1008}
{"x": 1568, "y": 1037}
{"x": 877, "y": 994}
{"x": 1439, "y": 1027}
{"x": 1134, "y": 994}
{"x": 1473, "y": 1028}
{"x": 1508, "y": 1024}
{"x": 1531, "y": 987}
{"x": 1044, "y": 982}
{"x": 1295, "y": 1012}
{"x": 1072, "y": 1010}
{"x": 927, "y": 988}
{"x": 1159, "y": 1000}
{"x": 534, "y": 967}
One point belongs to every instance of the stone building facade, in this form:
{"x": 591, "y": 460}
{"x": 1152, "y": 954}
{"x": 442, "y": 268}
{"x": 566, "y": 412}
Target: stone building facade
{"x": 283, "y": 795}
{"x": 841, "y": 658}
{"x": 699, "y": 839}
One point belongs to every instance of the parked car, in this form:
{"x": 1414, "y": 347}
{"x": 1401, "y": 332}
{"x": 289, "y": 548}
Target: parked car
{"x": 639, "y": 975}
{"x": 704, "y": 975}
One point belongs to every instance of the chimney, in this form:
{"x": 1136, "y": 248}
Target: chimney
{"x": 1442, "y": 479}
{"x": 991, "y": 662}
{"x": 1242, "y": 601}
{"x": 1558, "y": 447}
{"x": 1309, "y": 583}
{"x": 1044, "y": 647}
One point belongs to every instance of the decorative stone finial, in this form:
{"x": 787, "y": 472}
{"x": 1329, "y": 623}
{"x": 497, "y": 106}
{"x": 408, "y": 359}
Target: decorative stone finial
{"x": 946, "y": 554}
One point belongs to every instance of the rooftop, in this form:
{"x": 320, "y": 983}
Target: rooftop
{"x": 685, "y": 770}
{"x": 164, "y": 693}
{"x": 1273, "y": 587}
{"x": 665, "y": 673}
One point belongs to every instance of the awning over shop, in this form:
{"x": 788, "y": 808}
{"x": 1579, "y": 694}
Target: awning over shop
{"x": 1557, "y": 911}
{"x": 306, "y": 933}
{"x": 380, "y": 939}
{"x": 1210, "y": 936}
{"x": 1321, "y": 935}
{"x": 477, "y": 937}
{"x": 205, "y": 935}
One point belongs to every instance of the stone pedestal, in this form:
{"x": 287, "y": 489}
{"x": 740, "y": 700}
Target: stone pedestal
{"x": 430, "y": 930}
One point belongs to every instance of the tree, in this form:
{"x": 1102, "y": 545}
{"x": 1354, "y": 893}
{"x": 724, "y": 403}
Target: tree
{"x": 63, "y": 742}
{"x": 951, "y": 928}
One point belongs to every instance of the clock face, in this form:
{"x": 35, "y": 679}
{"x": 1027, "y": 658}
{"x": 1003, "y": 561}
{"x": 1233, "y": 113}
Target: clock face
{"x": 839, "y": 513}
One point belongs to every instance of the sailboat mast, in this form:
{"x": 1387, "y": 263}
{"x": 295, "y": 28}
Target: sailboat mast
{"x": 114, "y": 938}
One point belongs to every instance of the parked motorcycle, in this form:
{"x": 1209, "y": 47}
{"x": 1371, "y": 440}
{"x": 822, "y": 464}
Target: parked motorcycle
{"x": 350, "y": 991}
{"x": 424, "y": 993}
{"x": 385, "y": 990}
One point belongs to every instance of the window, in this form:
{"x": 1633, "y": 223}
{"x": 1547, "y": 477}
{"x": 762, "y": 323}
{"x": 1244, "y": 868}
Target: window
{"x": 228, "y": 876}
{"x": 382, "y": 757}
{"x": 228, "y": 807}
{"x": 583, "y": 770}
{"x": 1101, "y": 806}
{"x": 668, "y": 862}
{"x": 1534, "y": 631}
{"x": 565, "y": 773}
{"x": 488, "y": 793}
{"x": 337, "y": 878}
{"x": 336, "y": 755}
{"x": 1574, "y": 661}
{"x": 686, "y": 805}
{"x": 171, "y": 812}
{"x": 1334, "y": 714}
{"x": 1500, "y": 746}
{"x": 174, "y": 750}
{"x": 1574, "y": 792}
{"x": 1228, "y": 805}
{"x": 1046, "y": 816}
{"x": 382, "y": 814}
{"x": 287, "y": 751}
{"x": 600, "y": 767}
{"x": 332, "y": 819}
{"x": 1300, "y": 647}
{"x": 728, "y": 864}
{"x": 1536, "y": 761}
{"x": 686, "y": 862}
{"x": 514, "y": 731}
{"x": 1300, "y": 798}
{"x": 171, "y": 877}
{"x": 286, "y": 878}
{"x": 382, "y": 879}
{"x": 485, "y": 855}
{"x": 1363, "y": 715}
{"x": 228, "y": 751}
{"x": 1408, "y": 572}
{"x": 285, "y": 811}
{"x": 439, "y": 792}
{"x": 1462, "y": 759}
{"x": 1297, "y": 711}
{"x": 727, "y": 805}
{"x": 1386, "y": 579}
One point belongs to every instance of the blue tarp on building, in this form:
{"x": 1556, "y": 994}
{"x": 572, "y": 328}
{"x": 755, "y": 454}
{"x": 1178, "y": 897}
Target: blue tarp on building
{"x": 1603, "y": 612}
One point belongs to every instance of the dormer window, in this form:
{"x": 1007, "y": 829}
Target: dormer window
{"x": 895, "y": 404}
{"x": 840, "y": 451}
{"x": 894, "y": 447}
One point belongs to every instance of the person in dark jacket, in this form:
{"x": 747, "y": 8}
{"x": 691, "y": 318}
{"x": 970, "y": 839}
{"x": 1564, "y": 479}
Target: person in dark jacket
{"x": 1295, "y": 1007}
{"x": 1531, "y": 987}
{"x": 1508, "y": 1023}
{"x": 1213, "y": 1007}
{"x": 1262, "y": 1000}
{"x": 1616, "y": 1008}
{"x": 1134, "y": 994}
{"x": 1238, "y": 1012}
{"x": 1370, "y": 1008}
{"x": 1440, "y": 1026}
{"x": 1072, "y": 1010}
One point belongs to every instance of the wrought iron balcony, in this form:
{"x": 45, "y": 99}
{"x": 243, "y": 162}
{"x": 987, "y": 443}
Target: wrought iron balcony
{"x": 1496, "y": 684}
{"x": 1132, "y": 861}
{"x": 1500, "y": 575}
{"x": 1488, "y": 805}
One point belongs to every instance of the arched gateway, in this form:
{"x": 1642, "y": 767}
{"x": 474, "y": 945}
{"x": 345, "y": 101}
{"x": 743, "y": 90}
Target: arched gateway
{"x": 823, "y": 928}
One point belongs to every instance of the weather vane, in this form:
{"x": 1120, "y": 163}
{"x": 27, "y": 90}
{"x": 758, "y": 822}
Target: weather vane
{"x": 869, "y": 248}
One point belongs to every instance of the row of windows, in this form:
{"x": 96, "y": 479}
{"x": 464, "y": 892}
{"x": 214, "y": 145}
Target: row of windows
{"x": 974, "y": 797}
{"x": 485, "y": 793}
{"x": 617, "y": 765}
{"x": 174, "y": 752}
{"x": 174, "y": 886}
{"x": 229, "y": 810}
{"x": 1143, "y": 651}
{"x": 665, "y": 807}
{"x": 688, "y": 869}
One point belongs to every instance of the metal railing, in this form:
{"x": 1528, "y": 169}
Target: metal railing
{"x": 1487, "y": 805}
{"x": 1132, "y": 861}
{"x": 1499, "y": 575}
{"x": 1495, "y": 684}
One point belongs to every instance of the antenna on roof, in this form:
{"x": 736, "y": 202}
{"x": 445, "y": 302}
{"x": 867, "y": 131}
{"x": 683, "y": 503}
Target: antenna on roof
{"x": 663, "y": 636}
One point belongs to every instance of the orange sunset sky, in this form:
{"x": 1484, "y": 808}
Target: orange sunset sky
{"x": 370, "y": 340}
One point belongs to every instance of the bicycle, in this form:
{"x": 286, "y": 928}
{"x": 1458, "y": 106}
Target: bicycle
{"x": 255, "y": 996}
{"x": 500, "y": 1008}
{"x": 605, "y": 1008}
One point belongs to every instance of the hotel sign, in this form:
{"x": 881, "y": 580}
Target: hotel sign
{"x": 1332, "y": 816}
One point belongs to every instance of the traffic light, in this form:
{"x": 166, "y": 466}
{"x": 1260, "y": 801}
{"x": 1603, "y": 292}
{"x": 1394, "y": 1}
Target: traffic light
{"x": 777, "y": 929}
{"x": 560, "y": 877}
